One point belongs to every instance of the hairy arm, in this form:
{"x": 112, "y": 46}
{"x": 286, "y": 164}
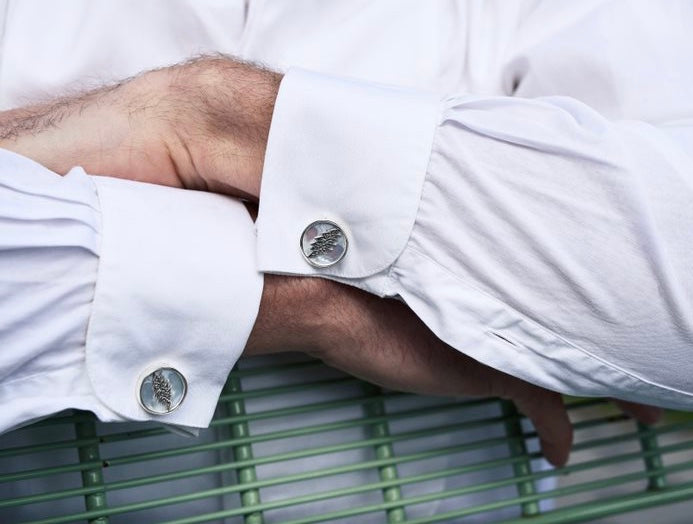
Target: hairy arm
{"x": 203, "y": 124}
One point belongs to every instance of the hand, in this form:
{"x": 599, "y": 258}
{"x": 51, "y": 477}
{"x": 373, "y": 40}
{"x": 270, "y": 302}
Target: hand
{"x": 382, "y": 341}
{"x": 202, "y": 124}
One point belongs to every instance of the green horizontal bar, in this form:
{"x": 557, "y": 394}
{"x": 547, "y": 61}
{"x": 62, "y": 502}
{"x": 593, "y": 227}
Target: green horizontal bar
{"x": 306, "y": 408}
{"x": 409, "y": 435}
{"x": 292, "y": 388}
{"x": 76, "y": 443}
{"x": 538, "y": 475}
{"x": 128, "y": 484}
{"x": 383, "y": 506}
{"x": 400, "y": 481}
{"x": 282, "y": 412}
{"x": 42, "y": 472}
{"x": 554, "y": 493}
{"x": 116, "y": 437}
{"x": 614, "y": 439}
{"x": 273, "y": 505}
{"x": 427, "y": 432}
{"x": 84, "y": 416}
{"x": 38, "y": 448}
{"x": 334, "y": 404}
{"x": 345, "y": 424}
{"x": 623, "y": 437}
{"x": 273, "y": 459}
{"x": 232, "y": 489}
{"x": 47, "y": 472}
{"x": 589, "y": 511}
{"x": 427, "y": 498}
{"x": 262, "y": 437}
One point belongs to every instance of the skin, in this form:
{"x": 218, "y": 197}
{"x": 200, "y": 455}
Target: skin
{"x": 203, "y": 125}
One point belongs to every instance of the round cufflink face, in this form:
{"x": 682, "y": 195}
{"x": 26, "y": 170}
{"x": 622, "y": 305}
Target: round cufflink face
{"x": 323, "y": 243}
{"x": 162, "y": 391}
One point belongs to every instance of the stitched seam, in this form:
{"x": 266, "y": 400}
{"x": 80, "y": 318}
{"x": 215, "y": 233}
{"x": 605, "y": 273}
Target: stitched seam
{"x": 97, "y": 286}
{"x": 391, "y": 280}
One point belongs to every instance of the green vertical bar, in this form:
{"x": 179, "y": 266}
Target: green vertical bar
{"x": 517, "y": 447}
{"x": 384, "y": 451}
{"x": 653, "y": 461}
{"x": 250, "y": 497}
{"x": 93, "y": 476}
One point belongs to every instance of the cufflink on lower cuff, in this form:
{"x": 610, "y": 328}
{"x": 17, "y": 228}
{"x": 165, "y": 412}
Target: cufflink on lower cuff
{"x": 323, "y": 243}
{"x": 162, "y": 391}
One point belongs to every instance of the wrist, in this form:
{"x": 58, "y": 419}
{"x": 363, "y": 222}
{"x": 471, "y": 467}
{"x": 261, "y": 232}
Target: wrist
{"x": 222, "y": 110}
{"x": 202, "y": 124}
{"x": 297, "y": 314}
{"x": 115, "y": 130}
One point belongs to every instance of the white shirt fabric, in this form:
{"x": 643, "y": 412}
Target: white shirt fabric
{"x": 103, "y": 281}
{"x": 544, "y": 236}
{"x": 488, "y": 48}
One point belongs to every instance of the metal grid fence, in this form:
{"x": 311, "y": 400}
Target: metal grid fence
{"x": 296, "y": 442}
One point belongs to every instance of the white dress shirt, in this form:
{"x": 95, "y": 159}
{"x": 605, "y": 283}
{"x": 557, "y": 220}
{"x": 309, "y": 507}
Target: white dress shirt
{"x": 533, "y": 211}
{"x": 624, "y": 60}
{"x": 106, "y": 280}
{"x": 546, "y": 228}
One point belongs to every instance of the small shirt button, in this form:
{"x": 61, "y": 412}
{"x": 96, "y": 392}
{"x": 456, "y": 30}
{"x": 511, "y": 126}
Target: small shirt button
{"x": 323, "y": 243}
{"x": 162, "y": 391}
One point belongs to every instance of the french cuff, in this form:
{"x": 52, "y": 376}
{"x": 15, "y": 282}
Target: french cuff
{"x": 343, "y": 175}
{"x": 177, "y": 294}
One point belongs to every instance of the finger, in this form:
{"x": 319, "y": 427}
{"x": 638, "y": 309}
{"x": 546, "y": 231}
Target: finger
{"x": 641, "y": 412}
{"x": 548, "y": 414}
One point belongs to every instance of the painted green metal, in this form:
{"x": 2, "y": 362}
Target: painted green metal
{"x": 518, "y": 448}
{"x": 619, "y": 465}
{"x": 283, "y": 390}
{"x": 648, "y": 442}
{"x": 618, "y": 505}
{"x": 242, "y": 451}
{"x": 93, "y": 475}
{"x": 385, "y": 451}
{"x": 415, "y": 500}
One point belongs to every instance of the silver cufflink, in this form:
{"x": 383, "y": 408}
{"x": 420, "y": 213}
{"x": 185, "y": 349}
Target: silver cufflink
{"x": 162, "y": 391}
{"x": 323, "y": 243}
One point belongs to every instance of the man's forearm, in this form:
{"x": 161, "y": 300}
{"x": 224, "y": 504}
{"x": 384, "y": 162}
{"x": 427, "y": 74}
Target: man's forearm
{"x": 202, "y": 124}
{"x": 220, "y": 112}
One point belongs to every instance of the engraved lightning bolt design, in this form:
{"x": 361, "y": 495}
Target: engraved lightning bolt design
{"x": 162, "y": 389}
{"x": 324, "y": 243}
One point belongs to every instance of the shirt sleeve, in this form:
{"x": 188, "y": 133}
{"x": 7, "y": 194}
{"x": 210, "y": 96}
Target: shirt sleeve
{"x": 547, "y": 233}
{"x": 104, "y": 282}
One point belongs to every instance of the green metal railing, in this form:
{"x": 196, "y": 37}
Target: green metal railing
{"x": 417, "y": 460}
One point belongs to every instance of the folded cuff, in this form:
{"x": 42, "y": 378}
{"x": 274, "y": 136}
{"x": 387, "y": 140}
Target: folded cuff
{"x": 349, "y": 153}
{"x": 177, "y": 287}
